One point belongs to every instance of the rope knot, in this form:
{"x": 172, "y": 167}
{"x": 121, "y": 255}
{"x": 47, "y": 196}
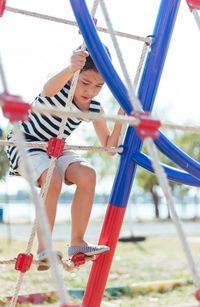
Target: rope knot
{"x": 23, "y": 262}
{"x": 148, "y": 127}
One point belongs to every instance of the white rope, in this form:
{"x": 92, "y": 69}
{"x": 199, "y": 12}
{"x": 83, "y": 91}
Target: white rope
{"x": 45, "y": 187}
{"x": 64, "y": 119}
{"x": 74, "y": 81}
{"x": 123, "y": 119}
{"x": 68, "y": 264}
{"x": 133, "y": 98}
{"x": 162, "y": 180}
{"x": 141, "y": 64}
{"x": 73, "y": 23}
{"x": 88, "y": 115}
{"x": 3, "y": 78}
{"x": 193, "y": 129}
{"x": 159, "y": 171}
{"x": 17, "y": 289}
{"x": 196, "y": 17}
{"x": 136, "y": 80}
{"x": 73, "y": 147}
{"x": 43, "y": 222}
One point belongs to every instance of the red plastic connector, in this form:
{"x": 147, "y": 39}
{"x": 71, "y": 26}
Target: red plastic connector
{"x": 23, "y": 262}
{"x": 14, "y": 108}
{"x": 147, "y": 127}
{"x": 78, "y": 259}
{"x": 193, "y": 4}
{"x": 2, "y": 7}
{"x": 95, "y": 21}
{"x": 197, "y": 295}
{"x": 55, "y": 147}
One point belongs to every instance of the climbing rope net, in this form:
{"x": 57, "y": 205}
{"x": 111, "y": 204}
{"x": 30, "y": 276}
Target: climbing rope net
{"x": 147, "y": 128}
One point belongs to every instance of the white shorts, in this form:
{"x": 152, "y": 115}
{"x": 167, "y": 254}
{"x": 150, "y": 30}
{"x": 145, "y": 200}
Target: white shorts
{"x": 41, "y": 161}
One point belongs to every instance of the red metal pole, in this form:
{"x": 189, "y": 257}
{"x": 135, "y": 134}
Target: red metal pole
{"x": 101, "y": 267}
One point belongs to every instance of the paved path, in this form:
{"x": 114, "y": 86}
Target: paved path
{"x": 62, "y": 230}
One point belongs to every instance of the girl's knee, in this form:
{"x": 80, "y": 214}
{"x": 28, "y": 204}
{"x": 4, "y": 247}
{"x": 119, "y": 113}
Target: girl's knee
{"x": 91, "y": 175}
{"x": 87, "y": 178}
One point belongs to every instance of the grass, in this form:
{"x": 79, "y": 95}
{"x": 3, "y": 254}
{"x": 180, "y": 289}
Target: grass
{"x": 159, "y": 258}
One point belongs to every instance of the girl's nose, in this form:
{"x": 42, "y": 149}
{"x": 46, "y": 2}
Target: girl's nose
{"x": 91, "y": 92}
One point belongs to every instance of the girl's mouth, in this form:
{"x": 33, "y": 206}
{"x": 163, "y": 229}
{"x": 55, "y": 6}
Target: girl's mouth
{"x": 85, "y": 98}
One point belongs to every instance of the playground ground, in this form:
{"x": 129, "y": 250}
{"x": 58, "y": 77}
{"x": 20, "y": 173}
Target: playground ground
{"x": 157, "y": 258}
{"x": 20, "y": 229}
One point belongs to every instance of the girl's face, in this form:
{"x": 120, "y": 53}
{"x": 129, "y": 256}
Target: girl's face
{"x": 89, "y": 85}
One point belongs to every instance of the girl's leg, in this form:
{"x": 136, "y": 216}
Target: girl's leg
{"x": 84, "y": 177}
{"x": 50, "y": 203}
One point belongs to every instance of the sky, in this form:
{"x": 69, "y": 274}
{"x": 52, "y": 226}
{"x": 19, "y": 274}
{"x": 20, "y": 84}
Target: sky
{"x": 32, "y": 50}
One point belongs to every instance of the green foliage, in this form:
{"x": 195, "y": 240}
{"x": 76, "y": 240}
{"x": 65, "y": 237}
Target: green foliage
{"x": 189, "y": 143}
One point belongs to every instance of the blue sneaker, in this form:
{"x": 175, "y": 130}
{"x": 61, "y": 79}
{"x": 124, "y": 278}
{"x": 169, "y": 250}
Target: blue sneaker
{"x": 42, "y": 257}
{"x": 89, "y": 250}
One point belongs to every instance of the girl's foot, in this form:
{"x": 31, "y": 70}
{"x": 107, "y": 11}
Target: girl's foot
{"x": 42, "y": 257}
{"x": 88, "y": 250}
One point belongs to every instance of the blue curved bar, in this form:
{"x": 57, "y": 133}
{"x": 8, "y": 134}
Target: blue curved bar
{"x": 172, "y": 173}
{"x": 178, "y": 156}
{"x": 148, "y": 86}
{"x": 99, "y": 54}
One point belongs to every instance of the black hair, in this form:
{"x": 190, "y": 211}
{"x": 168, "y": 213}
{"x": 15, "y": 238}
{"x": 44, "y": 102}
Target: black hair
{"x": 89, "y": 64}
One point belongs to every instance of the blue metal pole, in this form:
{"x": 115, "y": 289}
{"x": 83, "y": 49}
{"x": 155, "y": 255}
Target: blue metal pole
{"x": 178, "y": 156}
{"x": 149, "y": 81}
{"x": 148, "y": 85}
{"x": 172, "y": 173}
{"x": 146, "y": 93}
{"x": 126, "y": 170}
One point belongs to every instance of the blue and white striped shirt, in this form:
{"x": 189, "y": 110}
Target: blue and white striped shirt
{"x": 42, "y": 127}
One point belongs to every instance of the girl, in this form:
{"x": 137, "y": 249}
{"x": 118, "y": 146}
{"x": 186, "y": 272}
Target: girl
{"x": 70, "y": 168}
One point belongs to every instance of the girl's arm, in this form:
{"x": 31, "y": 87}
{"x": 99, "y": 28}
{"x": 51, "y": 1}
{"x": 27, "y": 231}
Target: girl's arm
{"x": 56, "y": 83}
{"x": 107, "y": 138}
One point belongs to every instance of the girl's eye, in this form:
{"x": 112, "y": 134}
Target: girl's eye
{"x": 85, "y": 83}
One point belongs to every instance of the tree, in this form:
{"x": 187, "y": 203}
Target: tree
{"x": 148, "y": 181}
{"x": 189, "y": 143}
